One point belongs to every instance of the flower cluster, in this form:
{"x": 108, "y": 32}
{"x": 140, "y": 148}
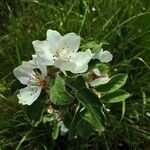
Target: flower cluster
{"x": 60, "y": 52}
{"x": 68, "y": 86}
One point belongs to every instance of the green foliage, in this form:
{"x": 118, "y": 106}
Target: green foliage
{"x": 93, "y": 116}
{"x": 58, "y": 93}
{"x": 55, "y": 132}
{"x": 91, "y": 103}
{"x": 104, "y": 68}
{"x": 115, "y": 83}
{"x": 84, "y": 129}
{"x": 114, "y": 97}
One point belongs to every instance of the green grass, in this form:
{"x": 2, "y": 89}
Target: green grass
{"x": 125, "y": 28}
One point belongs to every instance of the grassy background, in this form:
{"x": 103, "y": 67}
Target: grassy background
{"x": 124, "y": 25}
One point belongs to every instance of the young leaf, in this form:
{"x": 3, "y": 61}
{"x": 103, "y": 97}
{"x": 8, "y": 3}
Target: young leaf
{"x": 58, "y": 93}
{"x": 115, "y": 83}
{"x": 103, "y": 68}
{"x": 114, "y": 97}
{"x": 55, "y": 132}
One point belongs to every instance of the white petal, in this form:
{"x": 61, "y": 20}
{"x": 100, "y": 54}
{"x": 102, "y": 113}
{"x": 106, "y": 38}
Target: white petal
{"x": 103, "y": 56}
{"x": 53, "y": 38}
{"x": 45, "y": 58}
{"x": 96, "y": 72}
{"x": 70, "y": 42}
{"x": 28, "y": 95}
{"x": 64, "y": 65}
{"x": 41, "y": 45}
{"x": 44, "y": 52}
{"x": 24, "y": 74}
{"x": 99, "y": 81}
{"x": 40, "y": 65}
{"x": 80, "y": 69}
{"x": 29, "y": 64}
{"x": 63, "y": 128}
{"x": 96, "y": 56}
{"x": 81, "y": 59}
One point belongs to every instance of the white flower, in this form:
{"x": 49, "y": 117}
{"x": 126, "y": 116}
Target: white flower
{"x": 61, "y": 51}
{"x": 96, "y": 78}
{"x": 103, "y": 56}
{"x": 35, "y": 80}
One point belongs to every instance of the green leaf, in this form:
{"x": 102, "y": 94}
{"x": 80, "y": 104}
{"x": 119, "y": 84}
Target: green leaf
{"x": 93, "y": 116}
{"x": 48, "y": 118}
{"x": 91, "y": 102}
{"x": 35, "y": 111}
{"x": 115, "y": 83}
{"x": 58, "y": 93}
{"x": 88, "y": 98}
{"x": 93, "y": 106}
{"x": 86, "y": 95}
{"x": 114, "y": 97}
{"x": 104, "y": 68}
{"x": 84, "y": 129}
{"x": 79, "y": 83}
{"x": 55, "y": 132}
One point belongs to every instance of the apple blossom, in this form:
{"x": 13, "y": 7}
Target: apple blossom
{"x": 61, "y": 51}
{"x": 35, "y": 80}
{"x": 96, "y": 78}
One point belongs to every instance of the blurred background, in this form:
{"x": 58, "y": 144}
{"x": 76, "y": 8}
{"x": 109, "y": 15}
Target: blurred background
{"x": 124, "y": 27}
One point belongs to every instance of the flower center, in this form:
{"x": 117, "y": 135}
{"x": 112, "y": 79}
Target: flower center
{"x": 37, "y": 80}
{"x": 92, "y": 77}
{"x": 62, "y": 55}
{"x": 43, "y": 83}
